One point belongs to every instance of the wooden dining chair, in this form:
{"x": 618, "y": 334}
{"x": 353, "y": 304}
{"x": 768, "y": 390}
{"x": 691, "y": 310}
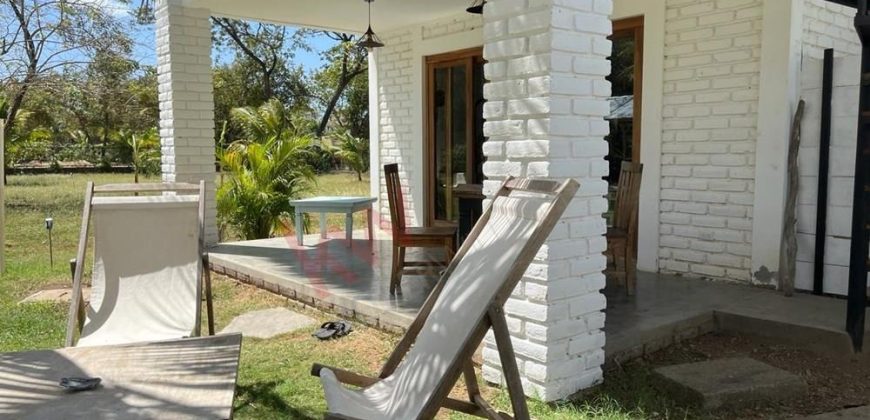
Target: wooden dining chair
{"x": 622, "y": 235}
{"x": 413, "y": 237}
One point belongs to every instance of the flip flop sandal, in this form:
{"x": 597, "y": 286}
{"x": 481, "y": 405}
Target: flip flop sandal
{"x": 327, "y": 330}
{"x": 79, "y": 384}
{"x": 344, "y": 329}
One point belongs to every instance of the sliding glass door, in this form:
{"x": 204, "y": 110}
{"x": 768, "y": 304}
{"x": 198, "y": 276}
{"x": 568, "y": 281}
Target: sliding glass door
{"x": 454, "y": 130}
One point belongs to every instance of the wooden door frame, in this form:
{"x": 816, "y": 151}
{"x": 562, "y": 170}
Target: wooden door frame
{"x": 633, "y": 27}
{"x": 431, "y": 63}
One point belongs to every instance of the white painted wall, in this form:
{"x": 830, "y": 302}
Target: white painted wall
{"x": 841, "y": 173}
{"x": 712, "y": 73}
{"x": 829, "y": 25}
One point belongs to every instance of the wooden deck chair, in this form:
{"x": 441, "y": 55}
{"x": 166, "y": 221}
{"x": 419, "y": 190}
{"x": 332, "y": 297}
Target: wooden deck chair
{"x": 149, "y": 265}
{"x": 467, "y": 301}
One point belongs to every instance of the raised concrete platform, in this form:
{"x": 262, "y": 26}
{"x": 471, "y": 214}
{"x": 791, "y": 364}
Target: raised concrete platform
{"x": 268, "y": 323}
{"x": 667, "y": 309}
{"x": 354, "y": 283}
{"x": 350, "y": 281}
{"x": 730, "y": 383}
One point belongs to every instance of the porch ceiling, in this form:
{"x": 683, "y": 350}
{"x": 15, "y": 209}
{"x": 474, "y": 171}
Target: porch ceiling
{"x": 341, "y": 15}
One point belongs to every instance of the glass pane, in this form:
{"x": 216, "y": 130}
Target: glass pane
{"x": 441, "y": 142}
{"x": 459, "y": 135}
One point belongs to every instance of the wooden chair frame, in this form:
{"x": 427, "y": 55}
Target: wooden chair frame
{"x": 493, "y": 318}
{"x": 76, "y": 316}
{"x": 622, "y": 239}
{"x": 417, "y": 238}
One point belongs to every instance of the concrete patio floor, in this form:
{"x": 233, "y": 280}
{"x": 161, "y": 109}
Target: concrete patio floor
{"x": 354, "y": 283}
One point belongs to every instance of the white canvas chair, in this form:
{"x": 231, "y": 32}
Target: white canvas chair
{"x": 149, "y": 265}
{"x": 467, "y": 301}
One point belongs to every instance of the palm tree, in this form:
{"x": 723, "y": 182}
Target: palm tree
{"x": 144, "y": 152}
{"x": 354, "y": 152}
{"x": 265, "y": 170}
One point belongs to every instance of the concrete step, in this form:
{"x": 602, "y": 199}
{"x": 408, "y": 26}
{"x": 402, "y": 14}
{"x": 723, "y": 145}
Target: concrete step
{"x": 730, "y": 383}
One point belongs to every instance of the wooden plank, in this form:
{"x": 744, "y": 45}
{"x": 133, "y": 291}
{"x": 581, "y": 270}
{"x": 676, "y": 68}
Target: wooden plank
{"x": 541, "y": 186}
{"x": 788, "y": 251}
{"x": 76, "y": 292}
{"x": 188, "y": 378}
{"x": 147, "y": 187}
{"x": 508, "y": 362}
{"x": 345, "y": 376}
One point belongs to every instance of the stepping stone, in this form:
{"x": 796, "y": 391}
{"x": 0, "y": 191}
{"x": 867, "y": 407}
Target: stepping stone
{"x": 61, "y": 295}
{"x": 731, "y": 383}
{"x": 268, "y": 323}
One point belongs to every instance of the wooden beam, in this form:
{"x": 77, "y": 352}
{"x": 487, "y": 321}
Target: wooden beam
{"x": 76, "y": 294}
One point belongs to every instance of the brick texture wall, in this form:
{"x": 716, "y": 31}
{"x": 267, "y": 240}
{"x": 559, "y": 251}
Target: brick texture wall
{"x": 829, "y": 25}
{"x": 396, "y": 106}
{"x": 546, "y": 102}
{"x": 712, "y": 67}
{"x": 186, "y": 100}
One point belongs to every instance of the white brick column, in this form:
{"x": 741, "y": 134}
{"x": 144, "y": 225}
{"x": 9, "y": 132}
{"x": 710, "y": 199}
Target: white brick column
{"x": 186, "y": 99}
{"x": 546, "y": 102}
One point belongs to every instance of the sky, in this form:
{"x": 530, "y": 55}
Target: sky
{"x": 144, "y": 50}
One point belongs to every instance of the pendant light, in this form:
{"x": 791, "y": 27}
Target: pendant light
{"x": 369, "y": 40}
{"x": 476, "y": 7}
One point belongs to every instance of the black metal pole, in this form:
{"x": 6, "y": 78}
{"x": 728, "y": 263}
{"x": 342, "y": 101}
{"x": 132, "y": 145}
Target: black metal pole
{"x": 857, "y": 300}
{"x": 824, "y": 155}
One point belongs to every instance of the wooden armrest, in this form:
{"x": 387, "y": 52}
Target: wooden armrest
{"x": 344, "y": 376}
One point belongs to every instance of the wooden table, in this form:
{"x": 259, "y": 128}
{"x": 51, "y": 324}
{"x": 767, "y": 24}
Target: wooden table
{"x": 178, "y": 379}
{"x": 324, "y": 205}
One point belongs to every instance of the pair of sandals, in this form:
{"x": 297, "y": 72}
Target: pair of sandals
{"x": 333, "y": 329}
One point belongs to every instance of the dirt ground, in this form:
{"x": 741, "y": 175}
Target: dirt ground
{"x": 833, "y": 383}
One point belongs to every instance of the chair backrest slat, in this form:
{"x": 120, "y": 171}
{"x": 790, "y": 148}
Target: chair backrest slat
{"x": 394, "y": 195}
{"x": 627, "y": 194}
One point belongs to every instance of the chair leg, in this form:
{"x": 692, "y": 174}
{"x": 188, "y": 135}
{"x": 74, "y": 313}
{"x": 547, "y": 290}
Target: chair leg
{"x": 395, "y": 275}
{"x": 630, "y": 271}
{"x": 399, "y": 268}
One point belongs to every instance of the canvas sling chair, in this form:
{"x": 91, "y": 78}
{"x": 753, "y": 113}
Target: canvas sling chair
{"x": 467, "y": 301}
{"x": 150, "y": 265}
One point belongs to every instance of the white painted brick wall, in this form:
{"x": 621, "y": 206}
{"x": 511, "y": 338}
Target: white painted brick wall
{"x": 464, "y": 22}
{"x": 829, "y": 25}
{"x": 186, "y": 101}
{"x": 712, "y": 68}
{"x": 545, "y": 117}
{"x": 396, "y": 106}
{"x": 844, "y": 126}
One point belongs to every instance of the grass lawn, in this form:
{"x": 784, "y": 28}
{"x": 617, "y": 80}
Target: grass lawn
{"x": 273, "y": 381}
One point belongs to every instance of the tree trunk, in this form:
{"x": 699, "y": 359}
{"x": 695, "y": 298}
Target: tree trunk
{"x": 330, "y": 107}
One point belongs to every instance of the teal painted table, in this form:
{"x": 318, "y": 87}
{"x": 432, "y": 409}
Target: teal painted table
{"x": 323, "y": 205}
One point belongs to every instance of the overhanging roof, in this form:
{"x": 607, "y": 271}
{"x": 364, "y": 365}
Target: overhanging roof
{"x": 341, "y": 15}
